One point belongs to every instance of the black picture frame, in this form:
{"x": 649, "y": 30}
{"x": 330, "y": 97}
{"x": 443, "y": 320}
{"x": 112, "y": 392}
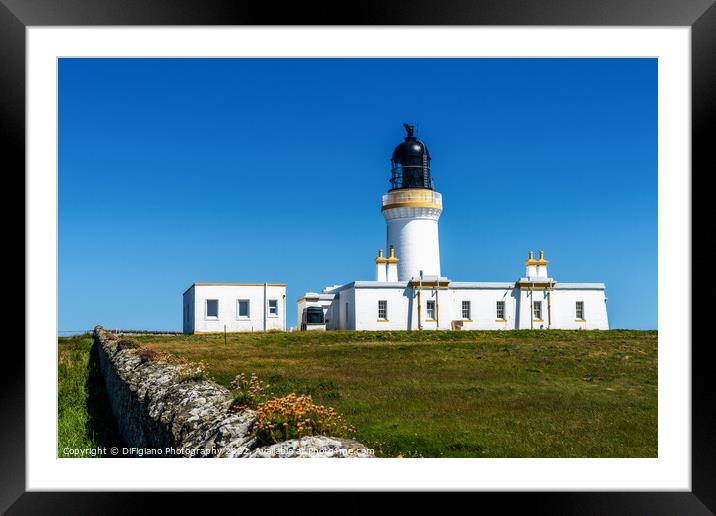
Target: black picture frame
{"x": 700, "y": 15}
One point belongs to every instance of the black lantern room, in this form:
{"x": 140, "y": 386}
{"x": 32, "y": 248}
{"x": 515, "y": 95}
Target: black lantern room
{"x": 411, "y": 163}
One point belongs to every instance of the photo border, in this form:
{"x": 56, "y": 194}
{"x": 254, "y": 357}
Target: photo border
{"x": 699, "y": 15}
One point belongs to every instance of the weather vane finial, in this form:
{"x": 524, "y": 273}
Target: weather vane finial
{"x": 409, "y": 128}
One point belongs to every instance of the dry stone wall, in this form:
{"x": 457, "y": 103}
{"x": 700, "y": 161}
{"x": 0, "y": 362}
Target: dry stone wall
{"x": 156, "y": 410}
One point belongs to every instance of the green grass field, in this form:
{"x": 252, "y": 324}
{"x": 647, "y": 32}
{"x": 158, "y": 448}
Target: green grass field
{"x": 84, "y": 420}
{"x": 459, "y": 394}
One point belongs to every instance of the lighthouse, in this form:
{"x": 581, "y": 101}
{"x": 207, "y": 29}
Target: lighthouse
{"x": 411, "y": 209}
{"x": 409, "y": 291}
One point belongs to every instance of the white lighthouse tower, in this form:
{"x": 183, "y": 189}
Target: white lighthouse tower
{"x": 411, "y": 209}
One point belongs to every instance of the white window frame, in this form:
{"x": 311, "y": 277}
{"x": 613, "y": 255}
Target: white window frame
{"x": 384, "y": 303}
{"x": 269, "y": 308}
{"x": 238, "y": 309}
{"x": 500, "y": 307}
{"x": 206, "y": 310}
{"x": 537, "y": 305}
{"x": 577, "y": 306}
{"x": 428, "y": 303}
{"x": 468, "y": 304}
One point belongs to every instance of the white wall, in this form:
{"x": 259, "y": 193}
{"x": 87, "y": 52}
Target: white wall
{"x": 558, "y": 307}
{"x": 366, "y": 314}
{"x": 402, "y": 307}
{"x": 525, "y": 309}
{"x": 483, "y": 308}
{"x": 228, "y": 296}
{"x": 443, "y": 299}
{"x": 347, "y": 317}
{"x": 564, "y": 309}
{"x": 413, "y": 232}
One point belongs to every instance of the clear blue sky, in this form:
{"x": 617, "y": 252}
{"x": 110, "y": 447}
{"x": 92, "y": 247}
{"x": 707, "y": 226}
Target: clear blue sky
{"x": 173, "y": 171}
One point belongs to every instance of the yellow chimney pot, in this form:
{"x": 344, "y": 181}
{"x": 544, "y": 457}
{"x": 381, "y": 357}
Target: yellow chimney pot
{"x": 531, "y": 260}
{"x": 381, "y": 258}
{"x": 541, "y": 260}
{"x": 392, "y": 258}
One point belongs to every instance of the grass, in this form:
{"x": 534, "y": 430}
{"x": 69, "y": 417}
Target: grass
{"x": 459, "y": 394}
{"x": 84, "y": 419}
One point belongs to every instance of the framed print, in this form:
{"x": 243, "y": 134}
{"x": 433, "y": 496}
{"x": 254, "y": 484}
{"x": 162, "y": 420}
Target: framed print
{"x": 207, "y": 273}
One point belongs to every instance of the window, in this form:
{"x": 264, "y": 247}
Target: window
{"x": 538, "y": 310}
{"x": 383, "y": 309}
{"x": 314, "y": 315}
{"x": 243, "y": 310}
{"x": 580, "y": 310}
{"x": 500, "y": 310}
{"x": 273, "y": 307}
{"x": 212, "y": 308}
{"x": 466, "y": 310}
{"x": 430, "y": 305}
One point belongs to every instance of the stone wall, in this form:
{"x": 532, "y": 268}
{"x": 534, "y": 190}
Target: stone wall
{"x": 155, "y": 410}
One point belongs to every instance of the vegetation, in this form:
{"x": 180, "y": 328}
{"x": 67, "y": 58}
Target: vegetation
{"x": 248, "y": 391}
{"x": 458, "y": 394}
{"x": 84, "y": 419}
{"x": 127, "y": 344}
{"x": 190, "y": 372}
{"x": 293, "y": 417}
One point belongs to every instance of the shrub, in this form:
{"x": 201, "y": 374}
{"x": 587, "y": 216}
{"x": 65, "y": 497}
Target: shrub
{"x": 127, "y": 344}
{"x": 248, "y": 392}
{"x": 293, "y": 417}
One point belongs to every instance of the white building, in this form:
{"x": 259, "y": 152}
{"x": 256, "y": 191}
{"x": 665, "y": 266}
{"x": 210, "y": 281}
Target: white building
{"x": 409, "y": 292}
{"x": 234, "y": 307}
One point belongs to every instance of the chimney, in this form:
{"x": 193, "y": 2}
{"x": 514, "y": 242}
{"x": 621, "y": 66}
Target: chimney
{"x": 380, "y": 265}
{"x": 541, "y": 266}
{"x": 531, "y": 266}
{"x": 392, "y": 262}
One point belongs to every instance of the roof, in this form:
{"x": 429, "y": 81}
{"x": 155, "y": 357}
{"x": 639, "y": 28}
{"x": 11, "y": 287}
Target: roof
{"x": 379, "y": 284}
{"x": 314, "y": 296}
{"x": 580, "y": 286}
{"x": 233, "y": 285}
{"x": 482, "y": 284}
{"x": 454, "y": 285}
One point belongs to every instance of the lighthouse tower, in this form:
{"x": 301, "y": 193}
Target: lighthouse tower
{"x": 411, "y": 209}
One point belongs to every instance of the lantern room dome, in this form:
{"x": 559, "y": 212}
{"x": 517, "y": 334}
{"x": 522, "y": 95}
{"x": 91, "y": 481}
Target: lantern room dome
{"x": 409, "y": 149}
{"x": 411, "y": 163}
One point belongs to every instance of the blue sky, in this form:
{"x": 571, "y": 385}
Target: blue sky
{"x": 173, "y": 171}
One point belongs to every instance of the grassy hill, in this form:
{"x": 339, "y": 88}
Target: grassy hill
{"x": 459, "y": 394}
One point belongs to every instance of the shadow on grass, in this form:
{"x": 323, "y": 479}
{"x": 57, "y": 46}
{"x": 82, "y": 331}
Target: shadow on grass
{"x": 100, "y": 422}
